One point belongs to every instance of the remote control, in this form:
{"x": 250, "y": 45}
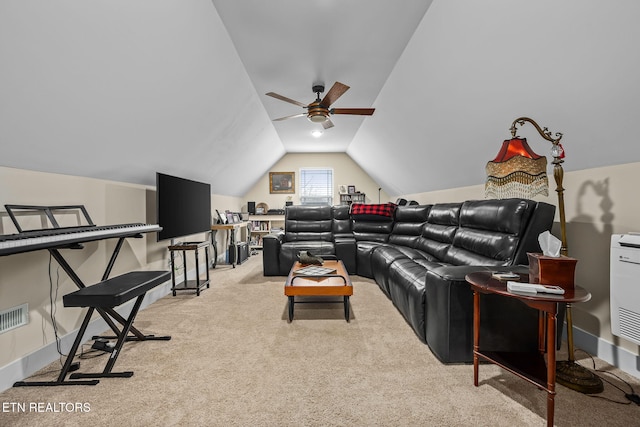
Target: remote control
{"x": 534, "y": 288}
{"x": 505, "y": 275}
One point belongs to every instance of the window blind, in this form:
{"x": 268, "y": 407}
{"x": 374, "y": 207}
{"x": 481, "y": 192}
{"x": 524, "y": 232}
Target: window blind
{"x": 316, "y": 186}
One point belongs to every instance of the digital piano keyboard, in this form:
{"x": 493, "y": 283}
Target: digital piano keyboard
{"x": 27, "y": 241}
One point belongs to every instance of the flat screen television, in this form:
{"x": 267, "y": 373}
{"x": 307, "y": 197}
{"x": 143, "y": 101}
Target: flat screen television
{"x": 183, "y": 206}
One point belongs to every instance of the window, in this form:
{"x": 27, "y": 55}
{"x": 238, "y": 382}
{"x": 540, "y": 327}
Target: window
{"x": 316, "y": 186}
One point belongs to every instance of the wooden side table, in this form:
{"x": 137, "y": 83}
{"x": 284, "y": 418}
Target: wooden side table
{"x": 528, "y": 366}
{"x": 196, "y": 284}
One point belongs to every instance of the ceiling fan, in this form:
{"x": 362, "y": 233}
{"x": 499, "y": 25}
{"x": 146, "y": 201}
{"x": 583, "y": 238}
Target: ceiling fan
{"x": 318, "y": 111}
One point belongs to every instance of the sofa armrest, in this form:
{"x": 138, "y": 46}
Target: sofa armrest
{"x": 345, "y": 245}
{"x": 507, "y": 324}
{"x": 457, "y": 273}
{"x": 271, "y": 254}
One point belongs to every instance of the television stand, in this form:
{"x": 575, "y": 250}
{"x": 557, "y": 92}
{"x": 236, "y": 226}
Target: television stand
{"x": 196, "y": 284}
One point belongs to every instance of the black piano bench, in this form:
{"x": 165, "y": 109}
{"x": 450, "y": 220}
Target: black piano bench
{"x": 107, "y": 294}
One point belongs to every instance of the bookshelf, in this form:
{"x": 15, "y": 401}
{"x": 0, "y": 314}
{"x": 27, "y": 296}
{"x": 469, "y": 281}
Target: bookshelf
{"x": 262, "y": 225}
{"x": 348, "y": 198}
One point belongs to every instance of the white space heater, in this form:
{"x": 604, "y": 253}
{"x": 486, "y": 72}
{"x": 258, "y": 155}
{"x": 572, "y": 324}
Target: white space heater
{"x": 625, "y": 286}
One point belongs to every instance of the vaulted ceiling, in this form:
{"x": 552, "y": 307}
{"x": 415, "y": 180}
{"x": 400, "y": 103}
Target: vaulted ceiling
{"x": 288, "y": 46}
{"x": 118, "y": 90}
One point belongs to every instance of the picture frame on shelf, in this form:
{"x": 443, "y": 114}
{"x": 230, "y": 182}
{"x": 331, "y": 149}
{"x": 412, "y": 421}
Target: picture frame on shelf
{"x": 236, "y": 218}
{"x": 221, "y": 219}
{"x": 229, "y": 217}
{"x": 282, "y": 183}
{"x": 342, "y": 189}
{"x": 351, "y": 189}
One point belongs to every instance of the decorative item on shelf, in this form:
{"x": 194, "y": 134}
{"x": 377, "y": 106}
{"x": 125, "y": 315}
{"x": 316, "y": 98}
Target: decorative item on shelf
{"x": 261, "y": 208}
{"x": 351, "y": 189}
{"x": 221, "y": 219}
{"x": 525, "y": 177}
{"x": 282, "y": 183}
{"x": 342, "y": 189}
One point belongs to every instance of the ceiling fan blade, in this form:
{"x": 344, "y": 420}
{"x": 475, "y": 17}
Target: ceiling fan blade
{"x": 355, "y": 111}
{"x": 290, "y": 117}
{"x": 285, "y": 99}
{"x": 336, "y": 91}
{"x": 327, "y": 124}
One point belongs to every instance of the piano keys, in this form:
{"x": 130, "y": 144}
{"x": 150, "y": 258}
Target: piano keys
{"x": 28, "y": 241}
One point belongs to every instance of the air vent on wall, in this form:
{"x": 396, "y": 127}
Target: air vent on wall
{"x": 629, "y": 324}
{"x": 14, "y": 317}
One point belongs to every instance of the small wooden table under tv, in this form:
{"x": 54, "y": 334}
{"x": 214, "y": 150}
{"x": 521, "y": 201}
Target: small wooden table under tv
{"x": 330, "y": 279}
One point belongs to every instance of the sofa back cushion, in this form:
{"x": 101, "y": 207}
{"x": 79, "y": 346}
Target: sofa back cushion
{"x": 408, "y": 224}
{"x": 372, "y": 231}
{"x": 490, "y": 231}
{"x": 439, "y": 230}
{"x": 305, "y": 223}
{"x": 341, "y": 224}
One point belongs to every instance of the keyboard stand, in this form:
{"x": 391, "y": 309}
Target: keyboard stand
{"x": 107, "y": 313}
{"x": 105, "y": 295}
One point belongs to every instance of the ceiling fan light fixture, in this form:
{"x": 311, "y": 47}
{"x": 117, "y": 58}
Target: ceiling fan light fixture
{"x": 317, "y": 133}
{"x": 319, "y": 110}
{"x": 317, "y": 118}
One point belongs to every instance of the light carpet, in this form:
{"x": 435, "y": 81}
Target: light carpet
{"x": 234, "y": 360}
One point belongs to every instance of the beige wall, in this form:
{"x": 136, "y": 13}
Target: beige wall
{"x": 598, "y": 202}
{"x": 24, "y": 278}
{"x": 345, "y": 172}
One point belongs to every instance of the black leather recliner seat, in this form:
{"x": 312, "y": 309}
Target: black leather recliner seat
{"x": 419, "y": 258}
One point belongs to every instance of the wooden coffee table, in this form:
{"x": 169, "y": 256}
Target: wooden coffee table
{"x": 336, "y": 283}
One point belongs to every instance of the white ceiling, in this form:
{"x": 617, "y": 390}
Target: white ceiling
{"x": 118, "y": 90}
{"x": 286, "y": 46}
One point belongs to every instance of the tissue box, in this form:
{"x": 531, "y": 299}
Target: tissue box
{"x": 548, "y": 270}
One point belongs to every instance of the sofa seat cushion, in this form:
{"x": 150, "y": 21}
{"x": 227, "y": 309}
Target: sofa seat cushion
{"x": 289, "y": 251}
{"x": 430, "y": 264}
{"x": 364, "y": 250}
{"x": 381, "y": 258}
{"x": 406, "y": 281}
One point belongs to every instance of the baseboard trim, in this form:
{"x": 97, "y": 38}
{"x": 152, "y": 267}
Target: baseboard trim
{"x": 30, "y": 364}
{"x": 619, "y": 357}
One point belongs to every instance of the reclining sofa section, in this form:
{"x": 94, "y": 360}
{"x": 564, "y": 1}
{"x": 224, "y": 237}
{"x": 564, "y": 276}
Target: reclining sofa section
{"x": 419, "y": 257}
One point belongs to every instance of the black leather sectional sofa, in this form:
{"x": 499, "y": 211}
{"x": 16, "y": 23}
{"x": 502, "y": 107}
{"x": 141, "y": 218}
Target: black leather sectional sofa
{"x": 419, "y": 257}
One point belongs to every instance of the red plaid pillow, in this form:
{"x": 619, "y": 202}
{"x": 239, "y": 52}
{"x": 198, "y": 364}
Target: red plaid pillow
{"x": 378, "y": 212}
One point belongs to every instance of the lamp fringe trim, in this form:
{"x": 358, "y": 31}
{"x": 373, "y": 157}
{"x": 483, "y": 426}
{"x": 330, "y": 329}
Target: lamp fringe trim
{"x": 517, "y": 177}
